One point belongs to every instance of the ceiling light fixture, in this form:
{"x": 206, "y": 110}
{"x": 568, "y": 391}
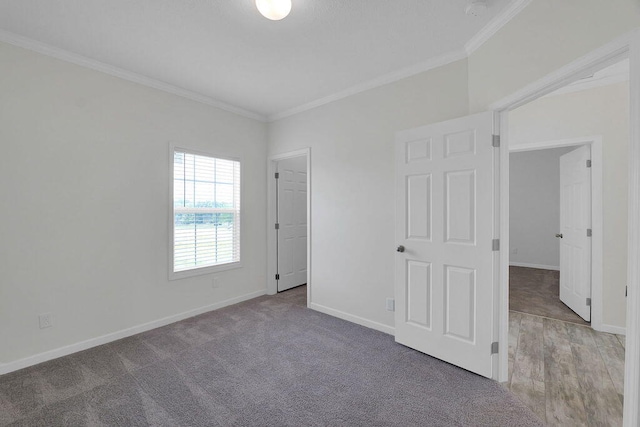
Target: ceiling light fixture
{"x": 274, "y": 9}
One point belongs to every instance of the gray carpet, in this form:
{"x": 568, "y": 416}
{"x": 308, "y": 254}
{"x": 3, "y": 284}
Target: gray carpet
{"x": 266, "y": 362}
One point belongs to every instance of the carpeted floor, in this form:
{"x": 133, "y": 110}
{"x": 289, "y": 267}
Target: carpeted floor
{"x": 537, "y": 291}
{"x": 266, "y": 362}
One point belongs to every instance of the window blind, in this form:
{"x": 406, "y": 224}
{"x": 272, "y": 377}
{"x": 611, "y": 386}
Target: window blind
{"x": 206, "y": 211}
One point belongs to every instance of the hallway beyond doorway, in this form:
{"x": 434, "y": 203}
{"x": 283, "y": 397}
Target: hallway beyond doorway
{"x": 537, "y": 291}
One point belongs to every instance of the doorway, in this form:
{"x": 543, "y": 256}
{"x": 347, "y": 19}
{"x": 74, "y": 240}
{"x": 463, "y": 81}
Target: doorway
{"x": 546, "y": 222}
{"x": 564, "y": 370}
{"x": 424, "y": 154}
{"x": 291, "y": 222}
{"x": 289, "y": 218}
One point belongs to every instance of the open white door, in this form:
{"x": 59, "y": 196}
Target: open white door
{"x": 575, "y": 231}
{"x": 444, "y": 283}
{"x": 291, "y": 218}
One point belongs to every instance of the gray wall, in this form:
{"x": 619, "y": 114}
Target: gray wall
{"x": 84, "y": 180}
{"x": 535, "y": 207}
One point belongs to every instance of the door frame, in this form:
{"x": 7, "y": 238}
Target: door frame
{"x": 272, "y": 238}
{"x": 623, "y": 47}
{"x": 595, "y": 142}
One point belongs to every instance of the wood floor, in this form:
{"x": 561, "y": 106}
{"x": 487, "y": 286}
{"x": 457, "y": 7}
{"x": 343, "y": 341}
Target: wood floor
{"x": 568, "y": 374}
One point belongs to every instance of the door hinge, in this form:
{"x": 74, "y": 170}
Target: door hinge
{"x": 626, "y": 291}
{"x": 494, "y": 347}
{"x": 588, "y": 302}
{"x": 277, "y": 277}
{"x": 589, "y": 232}
{"x": 495, "y": 244}
{"x": 495, "y": 141}
{"x": 588, "y": 163}
{"x": 277, "y": 226}
{"x": 277, "y": 175}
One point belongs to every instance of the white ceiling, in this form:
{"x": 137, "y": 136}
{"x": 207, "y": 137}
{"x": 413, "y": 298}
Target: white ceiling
{"x": 225, "y": 50}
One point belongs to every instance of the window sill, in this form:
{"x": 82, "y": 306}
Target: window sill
{"x": 203, "y": 271}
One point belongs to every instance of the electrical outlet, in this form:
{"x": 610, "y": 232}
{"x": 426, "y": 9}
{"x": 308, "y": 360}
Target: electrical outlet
{"x": 46, "y": 320}
{"x": 391, "y": 304}
{"x": 215, "y": 282}
{"x": 514, "y": 251}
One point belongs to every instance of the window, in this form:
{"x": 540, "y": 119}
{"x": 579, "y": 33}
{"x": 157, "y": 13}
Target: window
{"x": 206, "y": 212}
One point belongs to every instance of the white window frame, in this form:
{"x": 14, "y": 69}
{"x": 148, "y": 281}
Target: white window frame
{"x": 199, "y": 271}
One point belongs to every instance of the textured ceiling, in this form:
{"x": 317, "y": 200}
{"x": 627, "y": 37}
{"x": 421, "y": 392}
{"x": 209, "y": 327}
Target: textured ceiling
{"x": 225, "y": 50}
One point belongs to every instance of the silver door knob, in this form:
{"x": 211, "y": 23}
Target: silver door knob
{"x": 559, "y": 235}
{"x": 400, "y": 248}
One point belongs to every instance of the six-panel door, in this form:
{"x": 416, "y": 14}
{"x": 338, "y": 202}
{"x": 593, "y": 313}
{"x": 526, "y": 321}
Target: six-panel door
{"x": 444, "y": 219}
{"x": 292, "y": 221}
{"x": 575, "y": 220}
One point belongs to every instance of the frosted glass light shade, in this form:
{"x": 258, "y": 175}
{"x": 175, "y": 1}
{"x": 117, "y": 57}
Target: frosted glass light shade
{"x": 274, "y": 9}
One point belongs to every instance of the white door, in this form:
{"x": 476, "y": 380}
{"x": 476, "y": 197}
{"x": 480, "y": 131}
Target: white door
{"x": 444, "y": 283}
{"x": 291, "y": 217}
{"x": 575, "y": 233}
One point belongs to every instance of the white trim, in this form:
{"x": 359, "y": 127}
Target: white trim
{"x": 598, "y": 59}
{"x": 542, "y": 145}
{"x": 590, "y": 84}
{"x": 503, "y": 316}
{"x": 495, "y": 25}
{"x": 353, "y": 319}
{"x": 611, "y": 329}
{"x": 632, "y": 346}
{"x": 272, "y": 285}
{"x": 597, "y": 239}
{"x": 432, "y": 63}
{"x": 502, "y": 256}
{"x": 585, "y": 66}
{"x": 538, "y": 266}
{"x": 83, "y": 61}
{"x": 104, "y": 339}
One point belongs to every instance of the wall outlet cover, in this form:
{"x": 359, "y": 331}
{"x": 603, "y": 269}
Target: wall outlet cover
{"x": 217, "y": 282}
{"x": 391, "y": 304}
{"x": 45, "y": 320}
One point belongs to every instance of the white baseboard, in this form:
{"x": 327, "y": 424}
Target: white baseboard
{"x": 619, "y": 330}
{"x": 540, "y": 266}
{"x": 354, "y": 319}
{"x": 5, "y": 368}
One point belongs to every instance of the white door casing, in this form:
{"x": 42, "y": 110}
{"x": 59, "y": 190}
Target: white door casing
{"x": 292, "y": 222}
{"x": 444, "y": 283}
{"x": 627, "y": 44}
{"x": 575, "y": 226}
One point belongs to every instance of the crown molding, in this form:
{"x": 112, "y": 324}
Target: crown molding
{"x": 495, "y": 25}
{"x": 436, "y": 62}
{"x": 471, "y": 46}
{"x": 83, "y": 61}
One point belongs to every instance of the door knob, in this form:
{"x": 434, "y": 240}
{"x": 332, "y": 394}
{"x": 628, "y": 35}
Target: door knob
{"x": 400, "y": 248}
{"x": 559, "y": 235}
